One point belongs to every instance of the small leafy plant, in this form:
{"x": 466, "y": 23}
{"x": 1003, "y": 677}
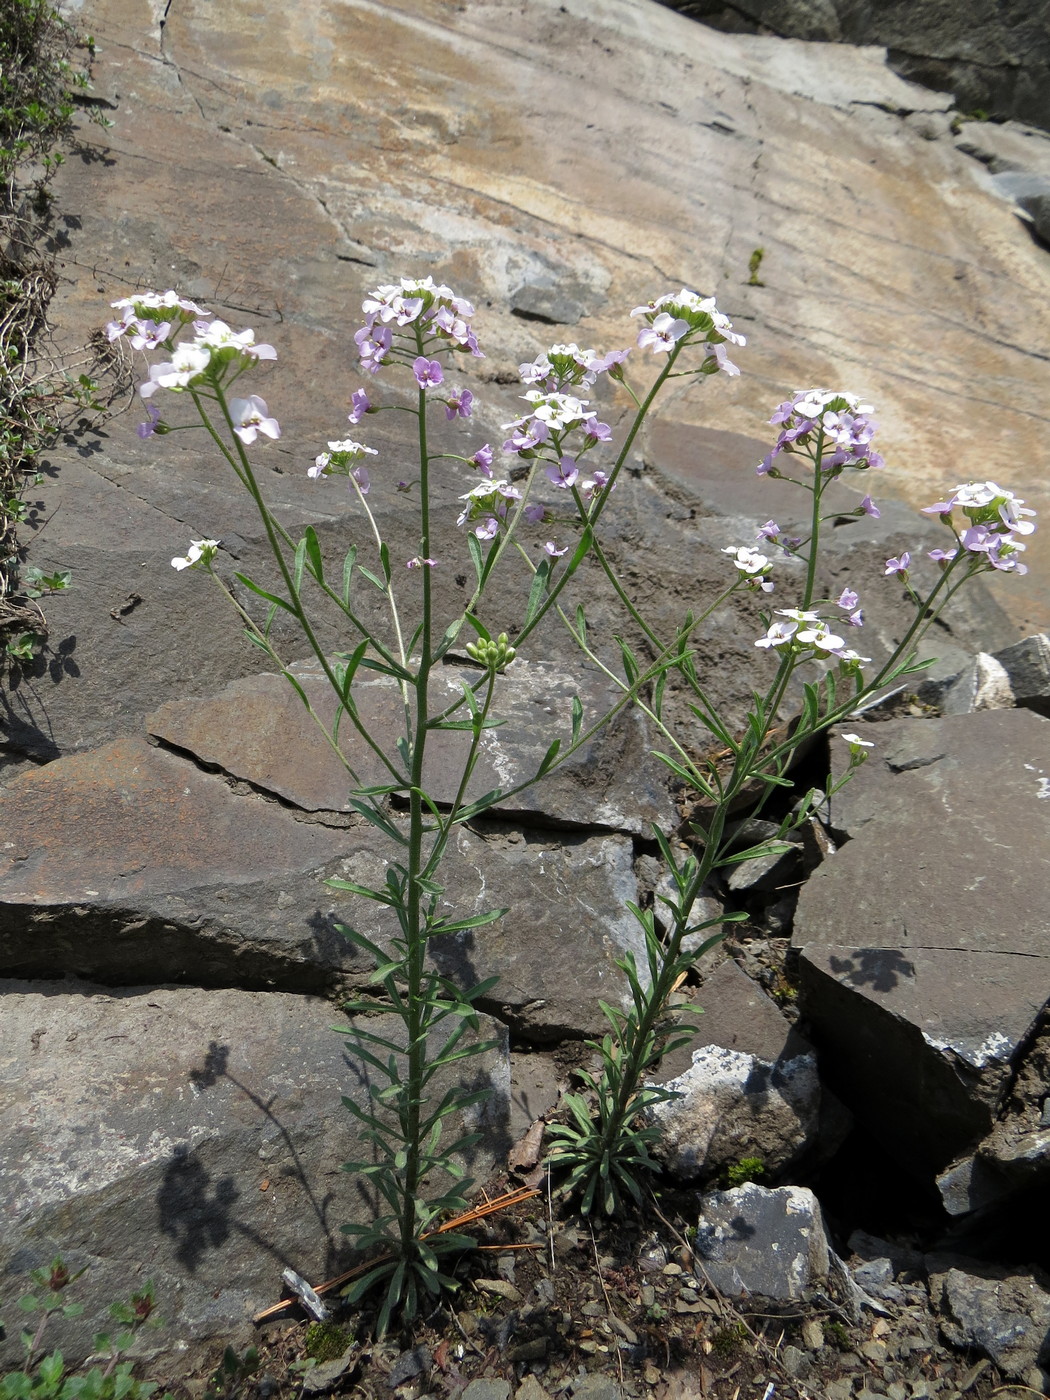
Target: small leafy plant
{"x": 46, "y": 1377}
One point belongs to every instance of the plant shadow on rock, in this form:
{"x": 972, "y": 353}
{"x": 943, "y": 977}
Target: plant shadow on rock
{"x": 200, "y": 1217}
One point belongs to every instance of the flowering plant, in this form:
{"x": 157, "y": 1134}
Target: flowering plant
{"x": 421, "y": 329}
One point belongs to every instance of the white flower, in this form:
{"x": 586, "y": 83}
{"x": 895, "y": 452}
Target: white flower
{"x": 199, "y": 552}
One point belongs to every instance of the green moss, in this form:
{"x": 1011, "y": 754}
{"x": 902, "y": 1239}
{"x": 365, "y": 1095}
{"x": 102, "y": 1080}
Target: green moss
{"x": 327, "y": 1342}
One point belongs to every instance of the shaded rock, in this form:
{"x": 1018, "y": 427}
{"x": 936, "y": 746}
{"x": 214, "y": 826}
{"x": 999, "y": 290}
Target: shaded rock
{"x": 753, "y": 1240}
{"x": 923, "y": 1019}
{"x": 1015, "y": 1155}
{"x": 1027, "y": 666}
{"x": 986, "y": 56}
{"x": 259, "y": 730}
{"x": 737, "y": 1015}
{"x": 732, "y": 1106}
{"x": 982, "y": 684}
{"x": 1004, "y": 1313}
{"x": 190, "y": 1136}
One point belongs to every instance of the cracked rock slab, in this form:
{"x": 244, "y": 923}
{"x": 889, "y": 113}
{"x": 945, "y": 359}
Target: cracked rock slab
{"x": 258, "y": 729}
{"x": 925, "y": 984}
{"x": 193, "y": 1137}
{"x": 129, "y": 864}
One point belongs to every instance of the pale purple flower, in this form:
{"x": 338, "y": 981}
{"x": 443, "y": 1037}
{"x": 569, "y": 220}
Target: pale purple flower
{"x": 898, "y": 566}
{"x": 663, "y": 334}
{"x": 538, "y": 372}
{"x": 488, "y": 498}
{"x": 769, "y": 531}
{"x": 556, "y": 410}
{"x": 340, "y": 458}
{"x": 600, "y": 432}
{"x": 869, "y": 507}
{"x": 419, "y": 563}
{"x": 428, "y": 372}
{"x": 148, "y": 334}
{"x": 360, "y": 476}
{"x": 563, "y": 473}
{"x": 460, "y": 403}
{"x": 594, "y": 485}
{"x": 748, "y": 561}
{"x": 145, "y": 430}
{"x": 360, "y": 405}
{"x": 821, "y": 636}
{"x": 847, "y": 599}
{"x": 611, "y": 362}
{"x": 482, "y": 459}
{"x": 943, "y": 556}
{"x": 552, "y": 549}
{"x": 535, "y": 514}
{"x": 187, "y": 367}
{"x": 488, "y": 528}
{"x": 717, "y": 352}
{"x": 251, "y": 417}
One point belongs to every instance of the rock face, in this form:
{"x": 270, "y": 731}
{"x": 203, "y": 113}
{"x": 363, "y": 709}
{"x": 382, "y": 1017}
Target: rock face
{"x": 168, "y": 823}
{"x": 917, "y": 981}
{"x": 989, "y": 56}
{"x": 192, "y": 1137}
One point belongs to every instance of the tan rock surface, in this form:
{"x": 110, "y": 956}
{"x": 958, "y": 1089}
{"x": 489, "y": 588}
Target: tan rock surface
{"x": 277, "y": 162}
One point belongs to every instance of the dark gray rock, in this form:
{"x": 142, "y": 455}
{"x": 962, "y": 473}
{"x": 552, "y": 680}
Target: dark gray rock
{"x": 189, "y": 1136}
{"x": 1016, "y": 1153}
{"x": 555, "y": 952}
{"x": 756, "y": 1241}
{"x": 1003, "y": 1312}
{"x": 922, "y": 1016}
{"x": 989, "y": 57}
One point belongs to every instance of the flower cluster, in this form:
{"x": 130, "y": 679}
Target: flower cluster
{"x": 215, "y": 354}
{"x": 341, "y": 459}
{"x": 837, "y": 426}
{"x": 995, "y": 515}
{"x": 806, "y": 629}
{"x": 689, "y": 318}
{"x": 567, "y": 366}
{"x": 752, "y": 565}
{"x": 419, "y": 312}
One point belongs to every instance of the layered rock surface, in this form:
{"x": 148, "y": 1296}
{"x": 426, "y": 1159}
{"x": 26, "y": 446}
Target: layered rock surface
{"x": 156, "y": 827}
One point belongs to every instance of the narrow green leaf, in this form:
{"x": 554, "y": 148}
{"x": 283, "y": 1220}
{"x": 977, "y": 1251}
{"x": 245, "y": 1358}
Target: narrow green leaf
{"x": 538, "y": 590}
{"x": 474, "y": 549}
{"x": 270, "y": 597}
{"x": 577, "y": 717}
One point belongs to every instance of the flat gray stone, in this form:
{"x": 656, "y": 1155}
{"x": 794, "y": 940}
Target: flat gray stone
{"x": 555, "y": 952}
{"x": 756, "y": 1241}
{"x": 259, "y": 730}
{"x": 193, "y": 1137}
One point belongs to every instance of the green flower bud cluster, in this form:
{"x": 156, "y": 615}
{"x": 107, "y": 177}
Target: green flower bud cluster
{"x": 495, "y": 655}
